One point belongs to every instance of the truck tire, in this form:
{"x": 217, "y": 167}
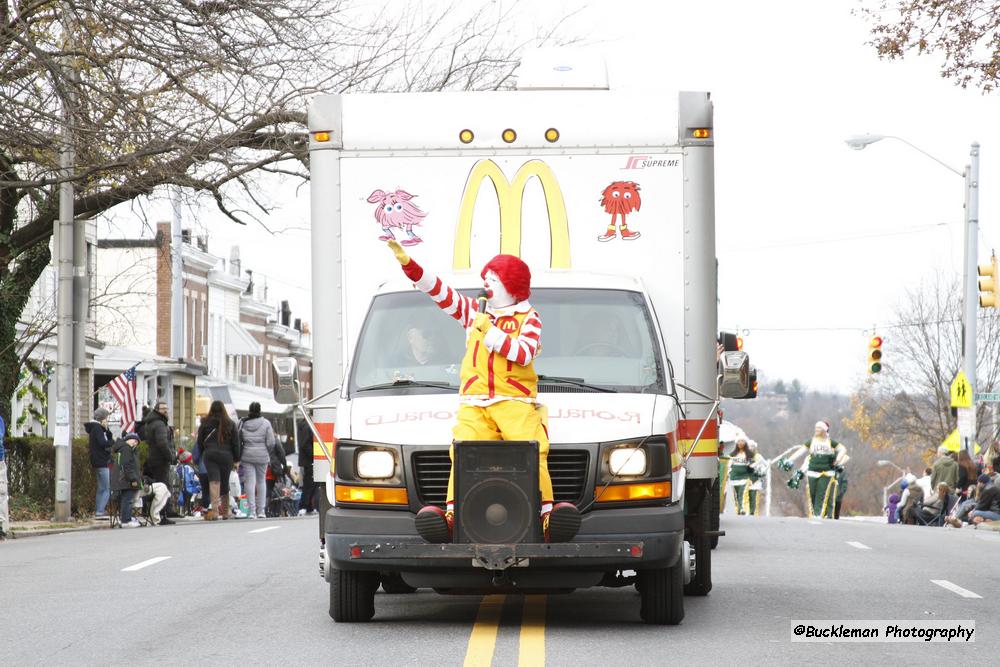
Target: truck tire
{"x": 352, "y": 595}
{"x": 392, "y": 583}
{"x": 701, "y": 582}
{"x": 662, "y": 595}
{"x": 716, "y": 511}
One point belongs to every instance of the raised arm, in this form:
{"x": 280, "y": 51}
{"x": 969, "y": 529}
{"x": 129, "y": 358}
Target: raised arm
{"x": 462, "y": 308}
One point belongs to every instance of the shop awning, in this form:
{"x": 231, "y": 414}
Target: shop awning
{"x": 241, "y": 341}
{"x": 239, "y": 397}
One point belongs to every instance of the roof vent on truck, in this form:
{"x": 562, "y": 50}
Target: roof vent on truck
{"x": 562, "y": 69}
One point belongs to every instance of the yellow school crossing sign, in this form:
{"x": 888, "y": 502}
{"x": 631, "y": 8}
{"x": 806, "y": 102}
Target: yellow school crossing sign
{"x": 961, "y": 391}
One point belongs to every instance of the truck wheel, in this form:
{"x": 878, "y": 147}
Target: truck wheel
{"x": 715, "y": 511}
{"x": 701, "y": 582}
{"x": 392, "y": 583}
{"x": 352, "y": 595}
{"x": 662, "y": 595}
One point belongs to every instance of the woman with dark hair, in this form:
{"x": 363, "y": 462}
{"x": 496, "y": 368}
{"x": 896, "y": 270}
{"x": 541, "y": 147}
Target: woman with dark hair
{"x": 221, "y": 454}
{"x": 967, "y": 472}
{"x": 257, "y": 440}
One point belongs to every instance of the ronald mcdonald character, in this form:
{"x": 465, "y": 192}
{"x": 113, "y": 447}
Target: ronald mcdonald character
{"x": 825, "y": 459}
{"x": 498, "y": 385}
{"x": 739, "y": 473}
{"x": 755, "y": 487}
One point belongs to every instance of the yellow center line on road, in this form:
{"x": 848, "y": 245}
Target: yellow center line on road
{"x": 483, "y": 639}
{"x": 531, "y": 649}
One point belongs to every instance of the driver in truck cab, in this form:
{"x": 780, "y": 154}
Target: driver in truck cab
{"x": 498, "y": 384}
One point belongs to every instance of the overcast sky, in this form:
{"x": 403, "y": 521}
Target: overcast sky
{"x": 816, "y": 242}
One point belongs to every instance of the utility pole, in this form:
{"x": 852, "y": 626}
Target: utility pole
{"x": 971, "y": 301}
{"x": 177, "y": 328}
{"x": 64, "y": 243}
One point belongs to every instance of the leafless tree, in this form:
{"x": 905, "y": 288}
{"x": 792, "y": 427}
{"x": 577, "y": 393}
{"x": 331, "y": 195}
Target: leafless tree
{"x": 966, "y": 33}
{"x": 204, "y": 95}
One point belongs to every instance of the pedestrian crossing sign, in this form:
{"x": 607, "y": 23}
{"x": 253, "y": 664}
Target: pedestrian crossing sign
{"x": 961, "y": 391}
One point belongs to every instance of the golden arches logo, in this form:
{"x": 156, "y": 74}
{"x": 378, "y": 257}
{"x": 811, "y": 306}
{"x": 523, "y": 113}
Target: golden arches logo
{"x": 510, "y": 196}
{"x": 507, "y": 324}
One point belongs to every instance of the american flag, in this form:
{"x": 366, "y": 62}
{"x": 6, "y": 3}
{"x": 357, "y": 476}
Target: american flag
{"x": 123, "y": 389}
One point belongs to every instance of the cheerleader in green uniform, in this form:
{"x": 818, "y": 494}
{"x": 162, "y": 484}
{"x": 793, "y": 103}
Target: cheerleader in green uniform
{"x": 825, "y": 458}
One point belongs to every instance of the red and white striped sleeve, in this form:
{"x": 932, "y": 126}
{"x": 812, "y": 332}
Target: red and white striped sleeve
{"x": 462, "y": 308}
{"x": 520, "y": 349}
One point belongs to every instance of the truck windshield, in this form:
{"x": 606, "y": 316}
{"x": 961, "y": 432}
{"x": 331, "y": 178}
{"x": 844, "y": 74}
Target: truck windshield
{"x": 598, "y": 337}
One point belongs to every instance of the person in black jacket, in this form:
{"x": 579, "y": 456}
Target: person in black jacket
{"x": 126, "y": 477}
{"x": 304, "y": 434}
{"x": 157, "y": 432}
{"x": 100, "y": 458}
{"x": 221, "y": 453}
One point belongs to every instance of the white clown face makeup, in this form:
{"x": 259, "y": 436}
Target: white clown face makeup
{"x": 496, "y": 294}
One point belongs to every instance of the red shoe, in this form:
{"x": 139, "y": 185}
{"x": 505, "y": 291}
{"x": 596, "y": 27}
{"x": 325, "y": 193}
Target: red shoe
{"x": 434, "y": 524}
{"x": 630, "y": 235}
{"x": 562, "y": 523}
{"x": 608, "y": 235}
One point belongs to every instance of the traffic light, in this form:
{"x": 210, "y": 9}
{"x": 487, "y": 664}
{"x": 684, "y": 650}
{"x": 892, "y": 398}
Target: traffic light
{"x": 754, "y": 386}
{"x": 875, "y": 355}
{"x": 988, "y": 292}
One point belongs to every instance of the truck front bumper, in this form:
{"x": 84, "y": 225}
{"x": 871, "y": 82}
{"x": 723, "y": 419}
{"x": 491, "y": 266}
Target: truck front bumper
{"x": 609, "y": 539}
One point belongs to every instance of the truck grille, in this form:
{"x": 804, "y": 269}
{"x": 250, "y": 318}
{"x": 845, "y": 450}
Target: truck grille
{"x": 568, "y": 469}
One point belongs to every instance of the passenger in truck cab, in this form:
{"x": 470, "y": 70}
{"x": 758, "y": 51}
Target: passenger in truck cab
{"x": 498, "y": 385}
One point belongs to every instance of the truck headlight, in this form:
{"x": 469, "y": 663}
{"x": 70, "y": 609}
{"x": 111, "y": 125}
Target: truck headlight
{"x": 375, "y": 464}
{"x": 627, "y": 461}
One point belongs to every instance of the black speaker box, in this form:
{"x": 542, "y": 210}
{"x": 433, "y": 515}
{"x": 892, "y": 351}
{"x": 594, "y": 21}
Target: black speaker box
{"x": 496, "y": 492}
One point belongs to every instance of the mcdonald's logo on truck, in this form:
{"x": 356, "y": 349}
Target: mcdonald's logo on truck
{"x": 510, "y": 196}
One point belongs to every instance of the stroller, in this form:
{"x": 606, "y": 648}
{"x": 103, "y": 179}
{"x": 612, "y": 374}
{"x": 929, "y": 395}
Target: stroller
{"x": 282, "y": 500}
{"x": 187, "y": 491}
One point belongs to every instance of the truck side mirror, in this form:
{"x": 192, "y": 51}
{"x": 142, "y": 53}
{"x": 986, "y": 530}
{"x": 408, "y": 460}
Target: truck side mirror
{"x": 735, "y": 371}
{"x": 285, "y": 380}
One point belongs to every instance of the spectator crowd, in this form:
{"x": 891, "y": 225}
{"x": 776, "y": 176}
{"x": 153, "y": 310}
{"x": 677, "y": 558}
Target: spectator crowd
{"x": 955, "y": 490}
{"x": 235, "y": 469}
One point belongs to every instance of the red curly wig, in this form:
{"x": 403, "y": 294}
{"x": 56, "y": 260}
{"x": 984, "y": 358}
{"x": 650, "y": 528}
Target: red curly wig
{"x": 513, "y": 273}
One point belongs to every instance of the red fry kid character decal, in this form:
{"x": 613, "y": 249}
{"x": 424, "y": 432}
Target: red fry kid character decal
{"x": 619, "y": 199}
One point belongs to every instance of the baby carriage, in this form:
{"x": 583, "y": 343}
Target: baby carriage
{"x": 188, "y": 489}
{"x": 281, "y": 502}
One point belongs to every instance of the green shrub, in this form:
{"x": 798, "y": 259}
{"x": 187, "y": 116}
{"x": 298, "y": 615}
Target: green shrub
{"x": 31, "y": 477}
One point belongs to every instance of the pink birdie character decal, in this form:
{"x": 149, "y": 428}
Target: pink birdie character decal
{"x": 396, "y": 210}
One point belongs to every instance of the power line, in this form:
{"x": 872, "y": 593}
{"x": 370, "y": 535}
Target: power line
{"x": 876, "y": 327}
{"x": 836, "y": 239}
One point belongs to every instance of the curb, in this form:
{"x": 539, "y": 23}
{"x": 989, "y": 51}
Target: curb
{"x": 104, "y": 525}
{"x": 16, "y": 534}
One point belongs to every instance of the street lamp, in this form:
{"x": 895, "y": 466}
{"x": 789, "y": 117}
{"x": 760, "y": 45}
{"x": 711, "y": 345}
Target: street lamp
{"x": 885, "y": 489}
{"x": 971, "y": 299}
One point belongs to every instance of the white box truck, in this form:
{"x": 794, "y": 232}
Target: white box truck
{"x": 609, "y": 197}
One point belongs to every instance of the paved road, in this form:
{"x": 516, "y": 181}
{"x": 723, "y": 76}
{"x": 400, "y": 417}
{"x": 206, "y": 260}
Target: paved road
{"x": 225, "y": 594}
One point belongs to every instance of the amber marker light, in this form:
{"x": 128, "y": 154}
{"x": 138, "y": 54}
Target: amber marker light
{"x": 634, "y": 492}
{"x": 466, "y": 136}
{"x": 701, "y": 133}
{"x": 552, "y": 135}
{"x": 375, "y": 495}
{"x": 322, "y": 136}
{"x": 509, "y": 135}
